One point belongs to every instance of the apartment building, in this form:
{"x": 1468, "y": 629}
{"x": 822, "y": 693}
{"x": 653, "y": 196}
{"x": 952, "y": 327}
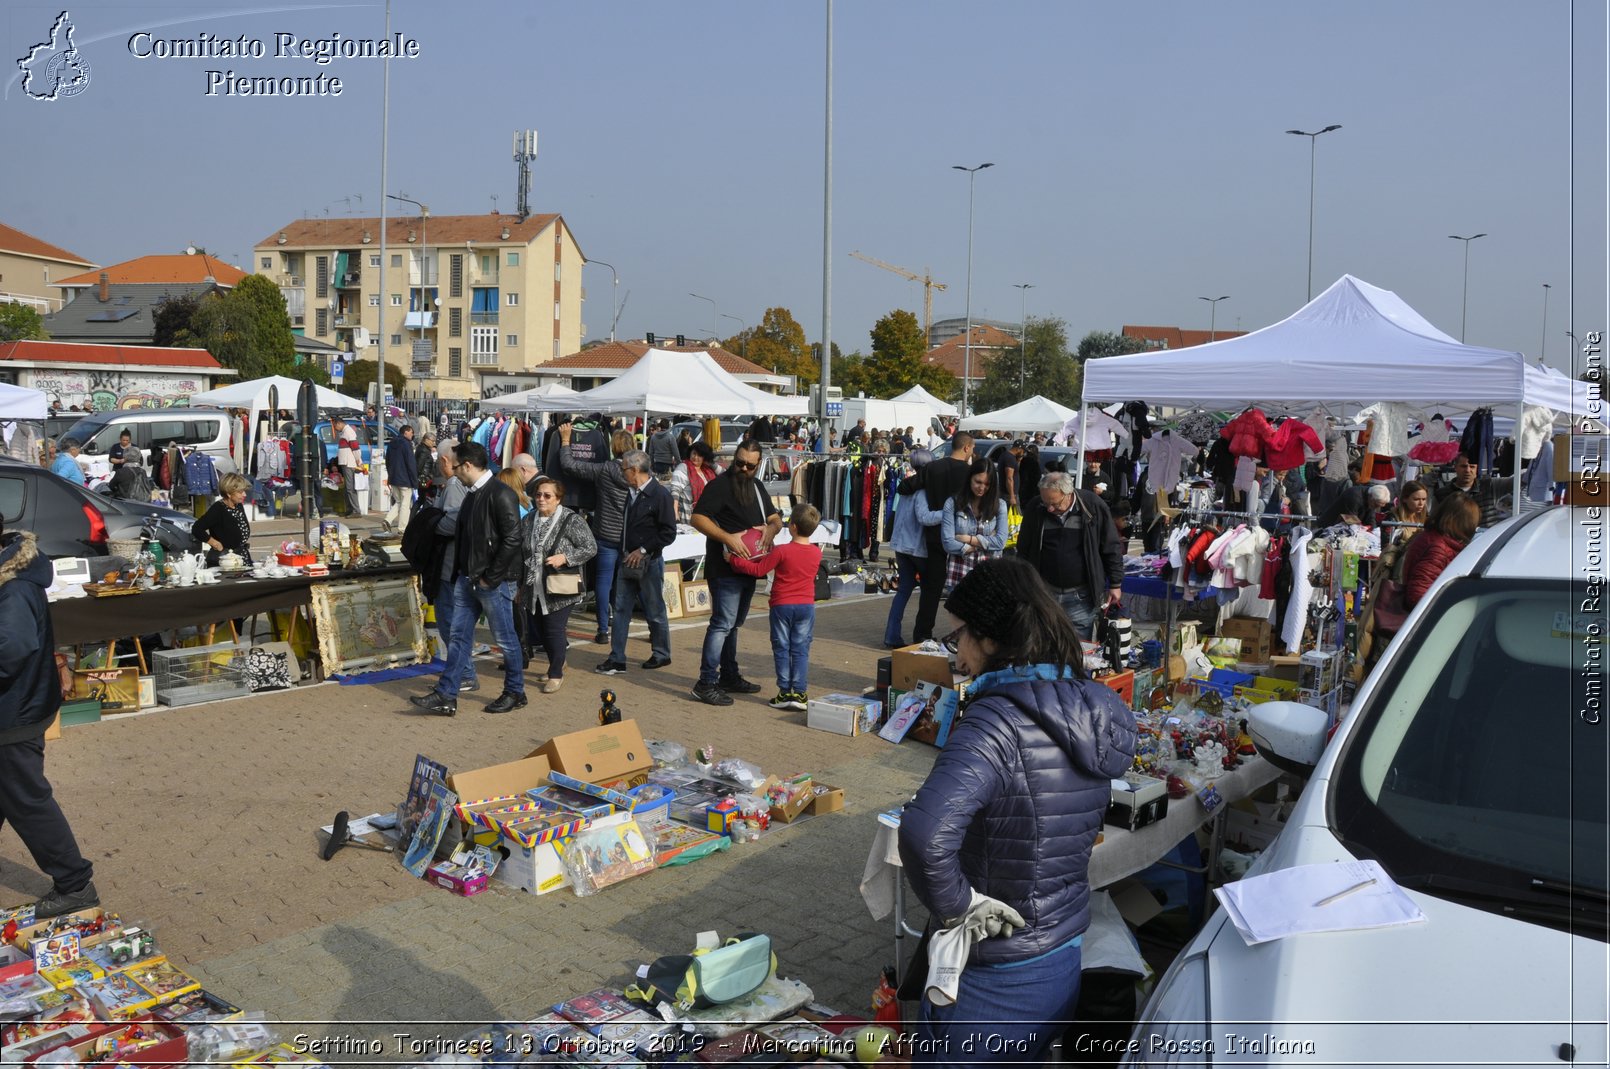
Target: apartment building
{"x": 29, "y": 267}
{"x": 466, "y": 297}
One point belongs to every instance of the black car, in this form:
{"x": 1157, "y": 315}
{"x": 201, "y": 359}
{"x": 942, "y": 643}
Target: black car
{"x": 71, "y": 521}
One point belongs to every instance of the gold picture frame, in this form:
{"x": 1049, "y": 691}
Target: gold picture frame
{"x": 696, "y": 598}
{"x": 369, "y": 624}
{"x": 672, "y": 589}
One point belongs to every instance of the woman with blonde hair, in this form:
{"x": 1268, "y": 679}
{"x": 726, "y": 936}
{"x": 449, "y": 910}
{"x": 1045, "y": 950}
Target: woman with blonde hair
{"x": 511, "y": 478}
{"x": 224, "y": 527}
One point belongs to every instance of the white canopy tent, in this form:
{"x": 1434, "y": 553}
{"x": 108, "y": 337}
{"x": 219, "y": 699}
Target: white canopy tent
{"x": 668, "y": 382}
{"x": 550, "y": 398}
{"x": 253, "y": 395}
{"x": 1353, "y": 344}
{"x": 1035, "y": 414}
{"x": 19, "y": 402}
{"x": 922, "y": 396}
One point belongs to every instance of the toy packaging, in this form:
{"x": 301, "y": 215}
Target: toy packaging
{"x": 595, "y": 1007}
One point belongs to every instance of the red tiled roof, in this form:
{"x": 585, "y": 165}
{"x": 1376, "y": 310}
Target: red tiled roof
{"x": 952, "y": 354}
{"x": 623, "y": 354}
{"x": 349, "y": 231}
{"x": 14, "y": 240}
{"x": 1178, "y": 337}
{"x": 70, "y": 352}
{"x": 161, "y": 269}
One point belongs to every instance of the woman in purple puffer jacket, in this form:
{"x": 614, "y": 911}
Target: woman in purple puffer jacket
{"x": 1005, "y": 822}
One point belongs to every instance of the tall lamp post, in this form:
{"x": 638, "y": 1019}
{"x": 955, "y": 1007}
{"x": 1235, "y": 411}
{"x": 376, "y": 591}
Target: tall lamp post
{"x": 1464, "y": 302}
{"x": 743, "y": 336}
{"x": 1312, "y": 137}
{"x": 967, "y": 343}
{"x": 1023, "y": 336}
{"x": 1213, "y": 317}
{"x": 614, "y": 295}
{"x": 424, "y": 273}
{"x": 713, "y": 307}
{"x": 1543, "y": 346}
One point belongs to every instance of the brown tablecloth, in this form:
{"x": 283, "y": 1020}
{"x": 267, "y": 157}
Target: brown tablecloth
{"x": 80, "y": 620}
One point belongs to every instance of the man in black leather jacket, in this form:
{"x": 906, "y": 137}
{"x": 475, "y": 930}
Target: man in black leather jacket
{"x": 486, "y": 575}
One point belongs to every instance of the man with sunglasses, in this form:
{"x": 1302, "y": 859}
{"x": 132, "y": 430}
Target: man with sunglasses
{"x": 732, "y": 503}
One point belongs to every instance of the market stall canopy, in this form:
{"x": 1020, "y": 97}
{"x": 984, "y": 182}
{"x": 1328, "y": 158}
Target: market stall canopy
{"x": 550, "y": 398}
{"x": 19, "y": 402}
{"x": 1353, "y": 344}
{"x": 922, "y": 396}
{"x": 1035, "y": 414}
{"x": 253, "y": 394}
{"x": 673, "y": 382}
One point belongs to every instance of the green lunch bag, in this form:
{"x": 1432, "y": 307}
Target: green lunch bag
{"x": 708, "y": 978}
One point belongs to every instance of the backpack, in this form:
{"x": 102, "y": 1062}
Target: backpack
{"x": 423, "y": 547}
{"x": 707, "y": 978}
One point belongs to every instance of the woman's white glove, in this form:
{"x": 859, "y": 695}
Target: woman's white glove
{"x": 985, "y": 918}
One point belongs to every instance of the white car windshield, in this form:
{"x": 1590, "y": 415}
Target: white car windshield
{"x": 1478, "y": 771}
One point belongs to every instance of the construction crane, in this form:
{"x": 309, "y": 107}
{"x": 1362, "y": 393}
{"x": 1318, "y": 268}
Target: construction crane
{"x": 928, "y": 287}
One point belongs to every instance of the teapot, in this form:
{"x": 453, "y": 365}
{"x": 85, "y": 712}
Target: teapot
{"x": 232, "y": 561}
{"x": 185, "y": 566}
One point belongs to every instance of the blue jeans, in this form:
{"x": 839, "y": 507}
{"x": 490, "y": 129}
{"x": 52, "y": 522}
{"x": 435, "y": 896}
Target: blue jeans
{"x": 473, "y": 599}
{"x": 908, "y": 567}
{"x": 604, "y": 582}
{"x": 1002, "y": 1013}
{"x": 791, "y": 629}
{"x": 446, "y": 610}
{"x": 1080, "y": 609}
{"x": 729, "y": 608}
{"x": 650, "y": 593}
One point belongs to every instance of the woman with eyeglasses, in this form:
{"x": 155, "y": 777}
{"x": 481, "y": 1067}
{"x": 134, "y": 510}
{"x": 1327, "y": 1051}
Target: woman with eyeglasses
{"x": 555, "y": 537}
{"x": 997, "y": 841}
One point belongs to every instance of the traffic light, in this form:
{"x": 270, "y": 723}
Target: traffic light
{"x": 681, "y": 340}
{"x": 649, "y": 338}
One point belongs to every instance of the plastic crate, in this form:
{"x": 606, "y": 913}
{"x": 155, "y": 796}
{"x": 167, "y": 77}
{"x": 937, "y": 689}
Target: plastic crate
{"x": 1222, "y": 682}
{"x": 201, "y": 673}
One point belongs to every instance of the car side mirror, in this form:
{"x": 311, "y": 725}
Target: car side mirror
{"x": 1291, "y": 736}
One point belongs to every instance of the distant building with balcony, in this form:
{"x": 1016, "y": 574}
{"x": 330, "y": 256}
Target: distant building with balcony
{"x": 30, "y": 268}
{"x": 467, "y": 297}
{"x": 181, "y": 269}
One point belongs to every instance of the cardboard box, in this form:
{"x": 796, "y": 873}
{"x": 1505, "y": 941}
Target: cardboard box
{"x": 477, "y": 788}
{"x": 172, "y": 1049}
{"x": 909, "y": 666}
{"x": 451, "y": 876}
{"x": 802, "y": 795}
{"x": 534, "y": 869}
{"x": 1253, "y": 634}
{"x": 14, "y": 963}
{"x": 1138, "y": 805}
{"x": 1580, "y": 455}
{"x": 828, "y": 799}
{"x": 843, "y": 714}
{"x": 100, "y": 929}
{"x": 609, "y": 752}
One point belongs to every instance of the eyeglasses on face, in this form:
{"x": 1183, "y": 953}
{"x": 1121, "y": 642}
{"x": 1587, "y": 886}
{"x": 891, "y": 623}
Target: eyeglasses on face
{"x": 543, "y": 494}
{"x": 746, "y": 465}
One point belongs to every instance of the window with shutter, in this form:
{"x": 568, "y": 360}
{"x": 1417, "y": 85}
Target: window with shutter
{"x": 455, "y": 283}
{"x": 321, "y": 276}
{"x": 455, "y": 322}
{"x": 455, "y": 362}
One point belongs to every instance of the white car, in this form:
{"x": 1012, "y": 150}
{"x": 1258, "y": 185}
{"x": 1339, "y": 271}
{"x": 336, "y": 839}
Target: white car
{"x": 1472, "y": 767}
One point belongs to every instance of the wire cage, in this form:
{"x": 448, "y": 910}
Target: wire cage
{"x": 201, "y": 673}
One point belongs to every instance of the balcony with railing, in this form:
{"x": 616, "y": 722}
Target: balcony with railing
{"x": 348, "y": 281}
{"x": 420, "y": 320}
{"x": 348, "y": 320}
{"x": 483, "y": 318}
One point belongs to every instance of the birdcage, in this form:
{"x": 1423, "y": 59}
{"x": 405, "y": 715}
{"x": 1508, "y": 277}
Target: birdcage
{"x": 201, "y": 673}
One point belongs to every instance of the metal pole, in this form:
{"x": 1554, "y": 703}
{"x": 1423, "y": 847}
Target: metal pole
{"x": 743, "y": 338}
{"x": 827, "y": 235}
{"x": 1312, "y": 138}
{"x": 377, "y": 456}
{"x": 1023, "y": 337}
{"x": 1464, "y": 301}
{"x": 714, "y": 308}
{"x": 1543, "y": 346}
{"x": 967, "y": 340}
{"x": 1213, "y": 318}
{"x": 614, "y": 293}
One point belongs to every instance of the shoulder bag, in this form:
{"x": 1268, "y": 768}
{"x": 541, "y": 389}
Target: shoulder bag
{"x": 566, "y": 581}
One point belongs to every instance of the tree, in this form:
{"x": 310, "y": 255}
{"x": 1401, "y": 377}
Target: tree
{"x": 360, "y": 373}
{"x": 247, "y": 329}
{"x": 896, "y": 362}
{"x": 19, "y": 322}
{"x": 1099, "y": 343}
{"x": 778, "y": 343}
{"x": 172, "y": 321}
{"x": 1047, "y": 368}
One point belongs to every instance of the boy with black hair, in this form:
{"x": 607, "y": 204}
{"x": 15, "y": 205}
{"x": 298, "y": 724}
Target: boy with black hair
{"x": 793, "y": 604}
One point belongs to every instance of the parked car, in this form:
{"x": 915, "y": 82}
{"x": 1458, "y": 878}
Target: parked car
{"x": 71, "y": 521}
{"x": 368, "y": 434}
{"x": 982, "y": 447}
{"x": 732, "y": 430}
{"x": 206, "y": 429}
{"x": 1472, "y": 768}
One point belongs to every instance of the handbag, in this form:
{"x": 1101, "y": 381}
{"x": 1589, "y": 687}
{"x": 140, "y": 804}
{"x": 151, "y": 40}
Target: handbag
{"x": 708, "y": 978}
{"x": 566, "y": 581}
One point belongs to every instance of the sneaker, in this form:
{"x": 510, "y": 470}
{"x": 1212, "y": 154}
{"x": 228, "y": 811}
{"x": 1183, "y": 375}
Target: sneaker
{"x": 506, "y": 702}
{"x": 435, "y": 702}
{"x": 469, "y": 686}
{"x": 57, "y": 902}
{"x": 656, "y": 662}
{"x": 784, "y": 700}
{"x": 610, "y": 668}
{"x": 798, "y": 701}
{"x": 710, "y": 694}
{"x": 739, "y": 685}
{"x": 602, "y": 638}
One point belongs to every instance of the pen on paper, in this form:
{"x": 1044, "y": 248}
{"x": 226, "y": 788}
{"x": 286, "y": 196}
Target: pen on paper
{"x": 1344, "y": 892}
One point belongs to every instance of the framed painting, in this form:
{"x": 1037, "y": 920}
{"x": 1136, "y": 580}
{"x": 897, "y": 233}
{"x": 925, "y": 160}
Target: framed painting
{"x": 696, "y": 598}
{"x": 369, "y": 624}
{"x": 673, "y": 591}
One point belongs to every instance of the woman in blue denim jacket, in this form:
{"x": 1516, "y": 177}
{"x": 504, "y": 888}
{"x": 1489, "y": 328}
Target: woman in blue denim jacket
{"x": 972, "y": 525}
{"x": 910, "y": 550}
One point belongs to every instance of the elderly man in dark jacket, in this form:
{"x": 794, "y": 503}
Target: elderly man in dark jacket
{"x": 30, "y": 695}
{"x": 648, "y": 526}
{"x": 487, "y": 557}
{"x": 1069, "y": 537}
{"x": 402, "y": 472}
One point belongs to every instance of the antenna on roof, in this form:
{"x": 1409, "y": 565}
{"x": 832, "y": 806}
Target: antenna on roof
{"x": 525, "y": 150}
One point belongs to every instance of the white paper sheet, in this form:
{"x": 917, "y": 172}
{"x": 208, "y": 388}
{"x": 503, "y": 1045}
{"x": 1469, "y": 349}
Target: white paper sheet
{"x": 1285, "y": 903}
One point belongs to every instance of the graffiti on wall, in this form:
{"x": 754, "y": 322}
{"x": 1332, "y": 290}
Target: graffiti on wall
{"x": 101, "y": 391}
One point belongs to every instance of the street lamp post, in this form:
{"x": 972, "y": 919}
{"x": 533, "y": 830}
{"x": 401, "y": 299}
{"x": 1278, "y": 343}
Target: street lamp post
{"x": 713, "y": 307}
{"x": 424, "y": 272}
{"x": 1023, "y": 336}
{"x": 743, "y": 336}
{"x": 967, "y": 342}
{"x": 1464, "y": 302}
{"x": 1312, "y": 137}
{"x": 614, "y": 295}
{"x": 1213, "y": 318}
{"x": 1543, "y": 346}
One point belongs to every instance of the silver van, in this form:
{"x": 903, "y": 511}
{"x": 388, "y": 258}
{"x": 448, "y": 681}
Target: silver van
{"x": 156, "y": 428}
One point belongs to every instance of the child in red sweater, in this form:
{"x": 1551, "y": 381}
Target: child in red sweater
{"x": 793, "y": 604}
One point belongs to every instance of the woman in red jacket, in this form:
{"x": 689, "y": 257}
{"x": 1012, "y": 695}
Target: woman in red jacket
{"x": 1451, "y": 526}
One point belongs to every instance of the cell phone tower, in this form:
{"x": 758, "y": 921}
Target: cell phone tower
{"x": 525, "y": 150}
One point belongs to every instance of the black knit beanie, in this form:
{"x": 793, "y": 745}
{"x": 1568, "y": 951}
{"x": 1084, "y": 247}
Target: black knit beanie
{"x": 984, "y": 602}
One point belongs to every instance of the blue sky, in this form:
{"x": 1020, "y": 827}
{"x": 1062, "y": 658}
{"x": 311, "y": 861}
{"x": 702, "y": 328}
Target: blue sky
{"x": 1140, "y": 159}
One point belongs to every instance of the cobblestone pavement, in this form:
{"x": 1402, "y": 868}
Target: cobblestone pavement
{"x": 203, "y": 823}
